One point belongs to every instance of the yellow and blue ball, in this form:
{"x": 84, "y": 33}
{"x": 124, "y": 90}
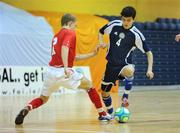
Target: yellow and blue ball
{"x": 122, "y": 115}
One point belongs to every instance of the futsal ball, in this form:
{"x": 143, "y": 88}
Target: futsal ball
{"x": 122, "y": 115}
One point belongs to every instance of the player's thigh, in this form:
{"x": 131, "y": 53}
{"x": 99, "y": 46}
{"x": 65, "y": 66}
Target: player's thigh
{"x": 50, "y": 85}
{"x": 49, "y": 88}
{"x": 73, "y": 82}
{"x": 128, "y": 70}
{"x": 109, "y": 78}
{"x": 85, "y": 83}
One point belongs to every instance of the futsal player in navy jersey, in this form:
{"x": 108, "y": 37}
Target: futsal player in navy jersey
{"x": 124, "y": 39}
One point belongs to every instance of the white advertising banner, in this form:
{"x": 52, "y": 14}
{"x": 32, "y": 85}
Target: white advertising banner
{"x": 21, "y": 80}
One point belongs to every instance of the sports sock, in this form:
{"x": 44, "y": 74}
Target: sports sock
{"x": 35, "y": 103}
{"x": 95, "y": 98}
{"x": 128, "y": 86}
{"x": 108, "y": 102}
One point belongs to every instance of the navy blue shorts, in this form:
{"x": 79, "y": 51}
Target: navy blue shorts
{"x": 112, "y": 73}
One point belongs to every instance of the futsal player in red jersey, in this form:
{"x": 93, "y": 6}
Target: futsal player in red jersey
{"x": 61, "y": 73}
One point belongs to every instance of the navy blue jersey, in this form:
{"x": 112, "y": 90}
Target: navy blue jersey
{"x": 123, "y": 42}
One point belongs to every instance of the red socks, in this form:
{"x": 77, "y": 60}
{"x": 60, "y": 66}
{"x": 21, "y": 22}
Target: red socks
{"x": 95, "y": 98}
{"x": 35, "y": 103}
{"x": 93, "y": 95}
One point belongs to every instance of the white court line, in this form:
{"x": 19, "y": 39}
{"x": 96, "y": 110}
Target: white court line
{"x": 50, "y": 130}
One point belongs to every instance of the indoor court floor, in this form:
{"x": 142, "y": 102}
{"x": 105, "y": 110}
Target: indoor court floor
{"x": 152, "y": 111}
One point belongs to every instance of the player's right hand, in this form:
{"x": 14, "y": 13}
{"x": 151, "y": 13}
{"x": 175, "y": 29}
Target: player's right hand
{"x": 177, "y": 38}
{"x": 96, "y": 50}
{"x": 68, "y": 72}
{"x": 150, "y": 74}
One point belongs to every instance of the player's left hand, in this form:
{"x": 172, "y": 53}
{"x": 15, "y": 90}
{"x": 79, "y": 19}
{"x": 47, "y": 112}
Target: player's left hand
{"x": 96, "y": 50}
{"x": 103, "y": 45}
{"x": 150, "y": 74}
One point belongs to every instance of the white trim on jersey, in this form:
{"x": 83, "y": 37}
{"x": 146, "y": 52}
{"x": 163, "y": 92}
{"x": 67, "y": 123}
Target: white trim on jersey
{"x": 133, "y": 48}
{"x": 138, "y": 40}
{"x": 110, "y": 25}
{"x": 114, "y": 21}
{"x": 139, "y": 32}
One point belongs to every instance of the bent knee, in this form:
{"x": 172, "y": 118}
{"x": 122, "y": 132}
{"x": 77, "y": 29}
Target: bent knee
{"x": 128, "y": 71}
{"x": 44, "y": 98}
{"x": 86, "y": 84}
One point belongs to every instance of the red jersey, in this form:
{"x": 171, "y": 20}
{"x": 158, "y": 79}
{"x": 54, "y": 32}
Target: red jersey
{"x": 67, "y": 38}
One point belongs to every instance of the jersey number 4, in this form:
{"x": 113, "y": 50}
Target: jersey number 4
{"x": 54, "y": 43}
{"x": 118, "y": 43}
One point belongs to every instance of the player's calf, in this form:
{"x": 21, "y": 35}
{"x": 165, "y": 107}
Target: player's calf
{"x": 127, "y": 89}
{"x": 35, "y": 103}
{"x": 106, "y": 97}
{"x": 108, "y": 103}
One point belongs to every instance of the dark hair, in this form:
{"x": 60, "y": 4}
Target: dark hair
{"x": 128, "y": 11}
{"x": 67, "y": 18}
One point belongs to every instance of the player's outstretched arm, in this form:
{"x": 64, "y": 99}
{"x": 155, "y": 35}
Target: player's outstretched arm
{"x": 86, "y": 56}
{"x": 149, "y": 72}
{"x": 177, "y": 38}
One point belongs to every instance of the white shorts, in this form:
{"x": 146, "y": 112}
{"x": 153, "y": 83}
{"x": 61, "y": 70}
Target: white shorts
{"x": 54, "y": 78}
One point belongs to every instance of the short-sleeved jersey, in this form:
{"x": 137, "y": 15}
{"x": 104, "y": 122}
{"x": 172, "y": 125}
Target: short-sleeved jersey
{"x": 123, "y": 42}
{"x": 67, "y": 38}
